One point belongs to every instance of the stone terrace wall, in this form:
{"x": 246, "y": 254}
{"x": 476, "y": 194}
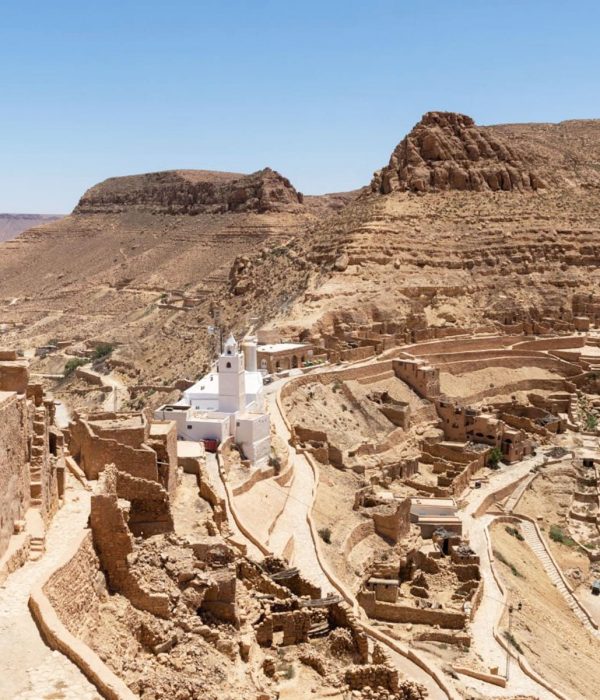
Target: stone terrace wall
{"x": 521, "y": 385}
{"x": 391, "y": 612}
{"x": 462, "y": 344}
{"x": 571, "y": 341}
{"x": 14, "y": 468}
{"x": 76, "y": 589}
{"x": 552, "y": 364}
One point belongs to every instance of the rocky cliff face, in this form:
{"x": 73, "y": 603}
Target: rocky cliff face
{"x": 447, "y": 151}
{"x": 193, "y": 192}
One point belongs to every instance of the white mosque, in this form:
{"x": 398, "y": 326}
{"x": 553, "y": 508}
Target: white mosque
{"x": 229, "y": 402}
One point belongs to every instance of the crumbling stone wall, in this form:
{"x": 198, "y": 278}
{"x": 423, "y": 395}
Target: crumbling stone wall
{"x": 29, "y": 475}
{"x": 150, "y": 512}
{"x": 14, "y": 468}
{"x": 393, "y": 521}
{"x": 373, "y": 676}
{"x": 93, "y": 453}
{"x": 114, "y": 543}
{"x": 391, "y": 612}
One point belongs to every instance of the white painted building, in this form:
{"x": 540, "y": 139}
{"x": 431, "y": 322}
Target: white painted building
{"x": 229, "y": 402}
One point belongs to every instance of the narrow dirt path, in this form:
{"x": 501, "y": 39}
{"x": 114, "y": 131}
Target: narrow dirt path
{"x": 305, "y": 557}
{"x": 212, "y": 468}
{"x": 29, "y": 670}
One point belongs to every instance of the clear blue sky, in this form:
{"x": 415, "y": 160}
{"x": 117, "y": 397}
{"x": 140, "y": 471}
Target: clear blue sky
{"x": 320, "y": 90}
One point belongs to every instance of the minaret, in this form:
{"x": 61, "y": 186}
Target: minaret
{"x": 249, "y": 349}
{"x": 232, "y": 386}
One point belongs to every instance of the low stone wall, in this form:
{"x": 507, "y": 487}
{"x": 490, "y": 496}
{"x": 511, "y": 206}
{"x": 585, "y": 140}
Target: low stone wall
{"x": 258, "y": 475}
{"x": 356, "y": 535}
{"x": 552, "y": 364}
{"x": 487, "y": 677}
{"x": 79, "y": 561}
{"x": 498, "y": 495}
{"x": 569, "y": 341}
{"x": 394, "y": 612}
{"x": 88, "y": 376}
{"x": 521, "y": 385}
{"x": 462, "y": 344}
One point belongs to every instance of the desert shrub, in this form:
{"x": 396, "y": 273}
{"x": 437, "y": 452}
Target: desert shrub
{"x": 557, "y": 534}
{"x": 591, "y": 421}
{"x": 510, "y": 638}
{"x": 102, "y": 350}
{"x": 514, "y": 532}
{"x": 72, "y": 364}
{"x": 325, "y": 534}
{"x": 501, "y": 558}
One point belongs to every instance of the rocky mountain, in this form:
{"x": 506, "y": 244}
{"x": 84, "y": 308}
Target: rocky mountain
{"x": 467, "y": 226}
{"x": 193, "y": 192}
{"x": 11, "y": 225}
{"x": 447, "y": 151}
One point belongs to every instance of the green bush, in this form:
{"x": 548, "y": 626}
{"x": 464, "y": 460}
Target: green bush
{"x": 494, "y": 458}
{"x": 72, "y": 364}
{"x": 501, "y": 558}
{"x": 591, "y": 422}
{"x": 102, "y": 350}
{"x": 558, "y": 535}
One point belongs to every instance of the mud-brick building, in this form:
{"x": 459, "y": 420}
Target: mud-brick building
{"x": 463, "y": 423}
{"x": 139, "y": 447}
{"x": 31, "y": 465}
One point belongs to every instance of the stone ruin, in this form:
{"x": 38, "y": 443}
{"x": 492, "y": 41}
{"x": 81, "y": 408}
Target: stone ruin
{"x": 191, "y": 616}
{"x": 426, "y": 585}
{"x": 31, "y": 464}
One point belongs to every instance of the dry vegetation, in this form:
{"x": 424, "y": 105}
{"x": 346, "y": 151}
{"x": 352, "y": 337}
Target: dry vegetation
{"x": 552, "y": 638}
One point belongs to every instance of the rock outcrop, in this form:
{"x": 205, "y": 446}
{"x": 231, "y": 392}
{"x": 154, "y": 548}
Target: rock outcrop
{"x": 193, "y": 192}
{"x": 447, "y": 151}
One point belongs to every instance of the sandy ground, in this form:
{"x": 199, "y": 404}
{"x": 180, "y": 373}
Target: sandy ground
{"x": 189, "y": 510}
{"x": 552, "y": 638}
{"x": 29, "y": 670}
{"x": 464, "y": 385}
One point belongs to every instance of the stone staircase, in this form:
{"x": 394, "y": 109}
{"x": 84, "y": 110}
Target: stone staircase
{"x": 532, "y": 538}
{"x": 38, "y": 450}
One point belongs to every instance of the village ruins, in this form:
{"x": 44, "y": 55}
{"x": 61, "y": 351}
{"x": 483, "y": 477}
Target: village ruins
{"x": 382, "y": 485}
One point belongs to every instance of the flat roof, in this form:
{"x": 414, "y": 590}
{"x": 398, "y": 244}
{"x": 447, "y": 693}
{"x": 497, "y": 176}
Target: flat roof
{"x": 207, "y": 416}
{"x": 433, "y": 502}
{"x": 187, "y": 448}
{"x": 281, "y": 347}
{"x": 208, "y": 386}
{"x": 121, "y": 422}
{"x": 161, "y": 428}
{"x": 423, "y": 520}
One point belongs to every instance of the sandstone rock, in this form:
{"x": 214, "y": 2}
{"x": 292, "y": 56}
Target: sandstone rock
{"x": 193, "y": 192}
{"x": 447, "y": 151}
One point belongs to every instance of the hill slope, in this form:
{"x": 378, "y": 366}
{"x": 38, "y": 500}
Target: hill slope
{"x": 475, "y": 226}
